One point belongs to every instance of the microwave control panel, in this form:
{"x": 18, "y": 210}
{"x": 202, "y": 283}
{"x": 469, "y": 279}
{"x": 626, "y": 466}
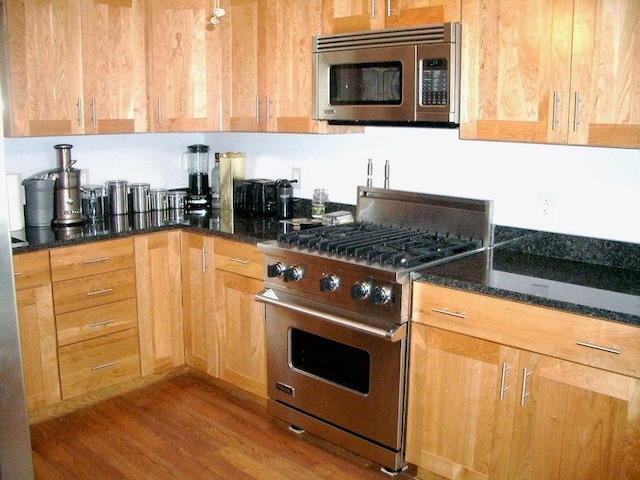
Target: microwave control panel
{"x": 435, "y": 81}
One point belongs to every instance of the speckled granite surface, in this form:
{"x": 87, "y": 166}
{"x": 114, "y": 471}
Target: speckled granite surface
{"x": 593, "y": 277}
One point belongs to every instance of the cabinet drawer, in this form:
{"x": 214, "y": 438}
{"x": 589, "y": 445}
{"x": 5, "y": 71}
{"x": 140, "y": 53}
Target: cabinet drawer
{"x": 99, "y": 362}
{"x": 91, "y": 259}
{"x": 80, "y": 293}
{"x": 31, "y": 269}
{"x": 94, "y": 322}
{"x": 590, "y": 341}
{"x": 236, "y": 257}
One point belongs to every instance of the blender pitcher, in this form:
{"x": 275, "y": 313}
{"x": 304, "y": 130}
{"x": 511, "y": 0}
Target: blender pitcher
{"x": 199, "y": 192}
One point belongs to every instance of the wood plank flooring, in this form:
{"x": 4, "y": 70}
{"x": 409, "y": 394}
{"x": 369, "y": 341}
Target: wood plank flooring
{"x": 185, "y": 428}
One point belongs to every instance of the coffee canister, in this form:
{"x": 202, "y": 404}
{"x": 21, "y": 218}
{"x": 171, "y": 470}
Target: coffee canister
{"x": 139, "y": 197}
{"x": 117, "y": 197}
{"x": 158, "y": 199}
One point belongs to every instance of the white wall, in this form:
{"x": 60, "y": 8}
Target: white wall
{"x": 590, "y": 191}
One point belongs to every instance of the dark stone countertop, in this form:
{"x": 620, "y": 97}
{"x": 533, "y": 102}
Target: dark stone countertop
{"x": 593, "y": 277}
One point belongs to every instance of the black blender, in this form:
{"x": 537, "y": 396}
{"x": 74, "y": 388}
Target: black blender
{"x": 198, "y": 200}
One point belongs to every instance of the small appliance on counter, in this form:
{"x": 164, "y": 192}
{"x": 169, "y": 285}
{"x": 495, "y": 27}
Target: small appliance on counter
{"x": 199, "y": 193}
{"x": 67, "y": 200}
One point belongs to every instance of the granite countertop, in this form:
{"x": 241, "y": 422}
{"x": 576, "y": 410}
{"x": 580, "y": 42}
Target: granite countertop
{"x": 597, "y": 278}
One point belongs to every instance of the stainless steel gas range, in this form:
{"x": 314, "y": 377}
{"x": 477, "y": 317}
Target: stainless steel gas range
{"x": 337, "y": 302}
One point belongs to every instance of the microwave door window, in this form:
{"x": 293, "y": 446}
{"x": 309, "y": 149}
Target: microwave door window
{"x": 366, "y": 84}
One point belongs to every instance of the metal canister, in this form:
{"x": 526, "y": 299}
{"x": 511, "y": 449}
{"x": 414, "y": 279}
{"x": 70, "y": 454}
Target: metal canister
{"x": 139, "y": 197}
{"x": 158, "y": 199}
{"x": 117, "y": 197}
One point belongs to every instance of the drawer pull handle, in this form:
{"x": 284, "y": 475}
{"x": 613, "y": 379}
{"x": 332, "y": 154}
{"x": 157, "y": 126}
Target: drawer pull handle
{"x": 525, "y": 394}
{"x": 97, "y": 260}
{"x": 598, "y": 347}
{"x": 503, "y": 388}
{"x": 449, "y": 312}
{"x": 238, "y": 260}
{"x": 99, "y": 292}
{"x": 101, "y": 324}
{"x": 104, "y": 365}
{"x": 17, "y": 274}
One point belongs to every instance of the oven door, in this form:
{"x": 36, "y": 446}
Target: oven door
{"x": 366, "y": 84}
{"x": 329, "y": 366}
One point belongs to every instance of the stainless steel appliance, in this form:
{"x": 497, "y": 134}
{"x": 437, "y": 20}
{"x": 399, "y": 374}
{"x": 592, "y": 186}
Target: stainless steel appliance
{"x": 337, "y": 303}
{"x": 199, "y": 196}
{"x": 67, "y": 199}
{"x": 402, "y": 76}
{"x": 256, "y": 196}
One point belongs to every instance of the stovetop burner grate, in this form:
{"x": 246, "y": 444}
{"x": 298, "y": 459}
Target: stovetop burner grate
{"x": 397, "y": 247}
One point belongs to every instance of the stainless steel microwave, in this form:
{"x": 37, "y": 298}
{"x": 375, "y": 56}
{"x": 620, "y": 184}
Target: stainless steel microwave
{"x": 401, "y": 76}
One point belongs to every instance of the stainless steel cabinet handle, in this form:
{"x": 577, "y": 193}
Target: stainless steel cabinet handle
{"x": 257, "y": 109}
{"x": 503, "y": 381}
{"x": 556, "y": 104}
{"x": 398, "y": 332}
{"x": 17, "y": 274}
{"x": 576, "y": 117}
{"x": 525, "y": 376}
{"x": 204, "y": 260}
{"x": 93, "y": 112}
{"x": 268, "y": 108}
{"x": 99, "y": 292}
{"x": 238, "y": 260}
{"x": 104, "y": 365}
{"x": 449, "y": 312}
{"x": 101, "y": 324}
{"x": 373, "y": 9}
{"x": 599, "y": 347}
{"x": 389, "y": 9}
{"x": 79, "y": 105}
{"x": 97, "y": 260}
{"x": 159, "y": 111}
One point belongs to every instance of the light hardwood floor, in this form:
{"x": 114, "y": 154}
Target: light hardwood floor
{"x": 185, "y": 428}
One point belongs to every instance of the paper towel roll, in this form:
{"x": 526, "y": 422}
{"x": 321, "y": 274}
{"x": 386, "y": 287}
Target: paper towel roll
{"x": 16, "y": 209}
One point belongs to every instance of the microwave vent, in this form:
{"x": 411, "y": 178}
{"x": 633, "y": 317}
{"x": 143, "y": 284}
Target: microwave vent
{"x": 438, "y": 33}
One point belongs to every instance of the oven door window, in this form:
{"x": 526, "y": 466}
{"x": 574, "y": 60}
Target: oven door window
{"x": 366, "y": 84}
{"x": 332, "y": 361}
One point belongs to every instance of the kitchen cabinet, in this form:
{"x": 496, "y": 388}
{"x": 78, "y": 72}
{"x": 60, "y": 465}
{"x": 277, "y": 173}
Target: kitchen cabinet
{"x": 267, "y": 69}
{"x": 509, "y": 390}
{"x": 42, "y": 85}
{"x": 114, "y": 66}
{"x": 341, "y": 16}
{"x": 184, "y": 67}
{"x": 75, "y": 66}
{"x": 36, "y": 322}
{"x": 198, "y": 304}
{"x": 94, "y": 298}
{"x": 159, "y": 300}
{"x": 552, "y": 71}
{"x": 241, "y": 329}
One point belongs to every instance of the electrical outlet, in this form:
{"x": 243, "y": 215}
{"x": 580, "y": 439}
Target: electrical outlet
{"x": 296, "y": 175}
{"x": 546, "y": 203}
{"x": 84, "y": 177}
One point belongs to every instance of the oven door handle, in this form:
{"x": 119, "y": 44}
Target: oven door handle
{"x": 397, "y": 333}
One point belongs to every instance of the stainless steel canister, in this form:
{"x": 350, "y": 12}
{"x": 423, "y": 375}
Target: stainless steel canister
{"x": 158, "y": 199}
{"x": 93, "y": 202}
{"x": 139, "y": 197}
{"x": 117, "y": 197}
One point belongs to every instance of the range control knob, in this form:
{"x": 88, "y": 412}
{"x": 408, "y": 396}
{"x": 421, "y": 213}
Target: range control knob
{"x": 275, "y": 270}
{"x": 293, "y": 274}
{"x": 360, "y": 290}
{"x": 381, "y": 295}
{"x": 329, "y": 283}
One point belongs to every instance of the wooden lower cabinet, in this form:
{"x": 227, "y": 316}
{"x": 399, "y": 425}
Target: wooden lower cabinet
{"x": 159, "y": 300}
{"x": 241, "y": 329}
{"x": 198, "y": 304}
{"x": 482, "y": 409}
{"x": 37, "y": 326}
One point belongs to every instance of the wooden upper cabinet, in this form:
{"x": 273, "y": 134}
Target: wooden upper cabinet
{"x": 340, "y": 16}
{"x": 43, "y": 84}
{"x": 551, "y": 71}
{"x": 184, "y": 67}
{"x": 114, "y": 66}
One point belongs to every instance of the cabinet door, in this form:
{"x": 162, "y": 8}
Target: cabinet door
{"x": 159, "y": 297}
{"x": 461, "y": 398}
{"x": 575, "y": 422}
{"x": 184, "y": 79}
{"x": 198, "y": 303}
{"x": 243, "y": 30}
{"x": 44, "y": 94}
{"x": 605, "y": 99}
{"x": 38, "y": 343}
{"x": 114, "y": 66}
{"x": 340, "y": 16}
